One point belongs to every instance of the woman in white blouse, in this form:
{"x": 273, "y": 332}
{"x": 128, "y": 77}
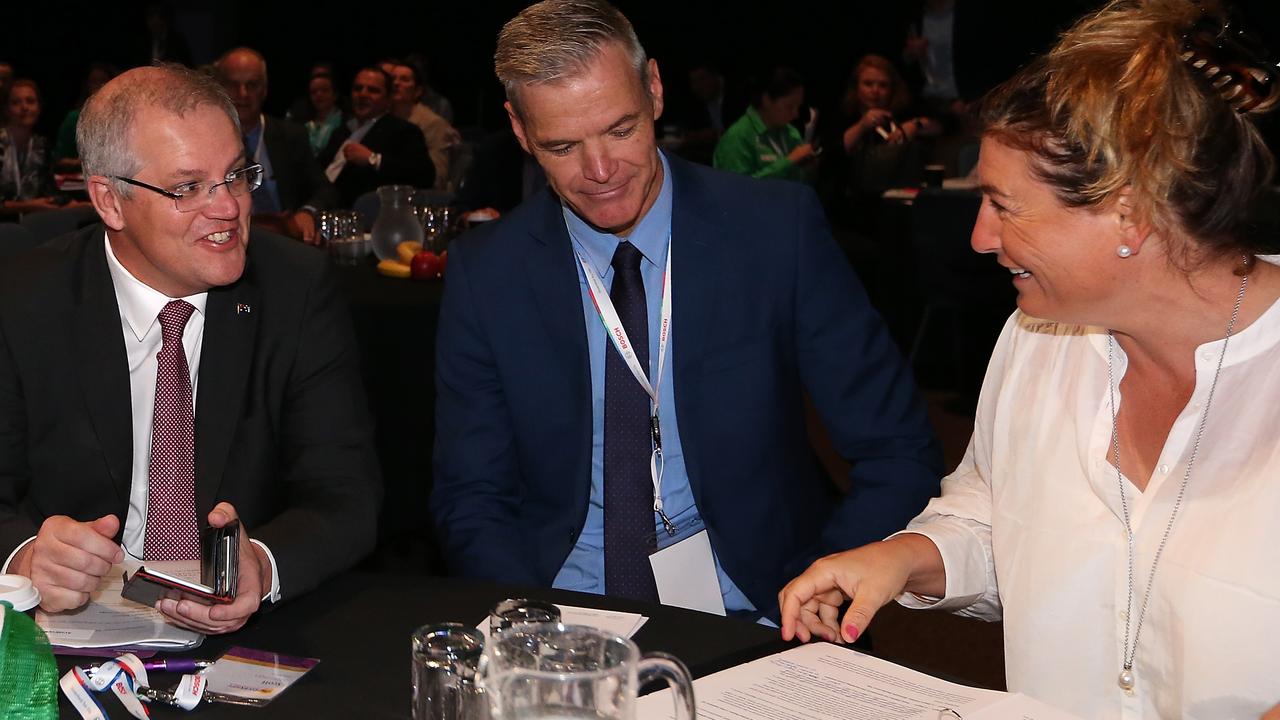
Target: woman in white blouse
{"x": 1119, "y": 501}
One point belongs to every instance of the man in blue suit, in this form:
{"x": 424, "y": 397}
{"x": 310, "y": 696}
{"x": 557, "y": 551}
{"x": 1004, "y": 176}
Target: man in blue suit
{"x": 551, "y": 439}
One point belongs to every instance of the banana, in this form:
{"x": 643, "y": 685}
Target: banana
{"x": 407, "y": 249}
{"x": 393, "y": 268}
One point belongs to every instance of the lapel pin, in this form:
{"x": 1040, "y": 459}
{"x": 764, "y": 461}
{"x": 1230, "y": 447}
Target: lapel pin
{"x": 243, "y": 309}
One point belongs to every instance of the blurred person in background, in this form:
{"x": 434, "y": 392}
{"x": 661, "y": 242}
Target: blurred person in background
{"x": 375, "y": 147}
{"x": 294, "y": 187}
{"x": 440, "y": 136}
{"x": 876, "y": 142}
{"x": 26, "y": 175}
{"x": 325, "y": 114}
{"x": 763, "y": 143}
{"x": 438, "y": 103}
{"x": 6, "y": 81}
{"x": 66, "y": 158}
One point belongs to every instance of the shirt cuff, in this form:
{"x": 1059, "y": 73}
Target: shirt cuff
{"x": 273, "y": 595}
{"x": 5, "y": 569}
{"x": 966, "y": 571}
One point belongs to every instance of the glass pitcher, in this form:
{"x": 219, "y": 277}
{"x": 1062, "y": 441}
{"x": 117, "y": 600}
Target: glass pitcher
{"x": 396, "y": 222}
{"x": 550, "y": 671}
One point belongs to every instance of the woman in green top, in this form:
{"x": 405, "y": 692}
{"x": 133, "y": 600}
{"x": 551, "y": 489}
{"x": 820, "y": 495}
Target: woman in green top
{"x": 763, "y": 143}
{"x": 66, "y": 157}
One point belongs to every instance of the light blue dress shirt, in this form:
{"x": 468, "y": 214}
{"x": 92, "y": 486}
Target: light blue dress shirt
{"x": 583, "y": 570}
{"x": 266, "y": 199}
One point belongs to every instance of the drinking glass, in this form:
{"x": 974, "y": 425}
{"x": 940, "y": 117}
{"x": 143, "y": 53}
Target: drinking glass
{"x": 445, "y": 659}
{"x": 515, "y": 612}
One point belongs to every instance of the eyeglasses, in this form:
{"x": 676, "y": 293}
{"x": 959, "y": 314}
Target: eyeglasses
{"x": 192, "y": 196}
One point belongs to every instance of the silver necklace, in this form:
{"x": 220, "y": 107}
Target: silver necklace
{"x": 1126, "y": 679}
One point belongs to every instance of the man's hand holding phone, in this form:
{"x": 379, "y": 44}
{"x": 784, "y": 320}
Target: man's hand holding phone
{"x": 254, "y": 579}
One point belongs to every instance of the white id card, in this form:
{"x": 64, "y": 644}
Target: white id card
{"x": 254, "y": 675}
{"x": 686, "y": 575}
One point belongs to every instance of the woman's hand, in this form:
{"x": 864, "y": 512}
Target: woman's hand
{"x": 802, "y": 154}
{"x": 869, "y": 576}
{"x": 870, "y": 120}
{"x": 1272, "y": 714}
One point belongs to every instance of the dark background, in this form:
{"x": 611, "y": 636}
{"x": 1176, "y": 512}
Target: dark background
{"x": 53, "y": 42}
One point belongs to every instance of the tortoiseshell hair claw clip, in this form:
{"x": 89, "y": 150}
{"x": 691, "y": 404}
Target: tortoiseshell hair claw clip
{"x": 1234, "y": 63}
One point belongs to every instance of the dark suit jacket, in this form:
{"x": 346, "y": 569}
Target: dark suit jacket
{"x": 765, "y": 309}
{"x": 299, "y": 177}
{"x": 404, "y": 159}
{"x": 281, "y": 425}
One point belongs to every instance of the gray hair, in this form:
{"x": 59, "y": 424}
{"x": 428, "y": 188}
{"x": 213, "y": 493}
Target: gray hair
{"x": 221, "y": 62}
{"x": 557, "y": 39}
{"x": 103, "y": 132}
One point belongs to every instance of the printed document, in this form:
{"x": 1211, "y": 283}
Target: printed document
{"x": 822, "y": 681}
{"x": 109, "y": 621}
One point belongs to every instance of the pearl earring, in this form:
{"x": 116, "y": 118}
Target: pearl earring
{"x": 1124, "y": 251}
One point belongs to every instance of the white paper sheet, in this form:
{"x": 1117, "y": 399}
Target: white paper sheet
{"x": 827, "y": 682}
{"x": 619, "y": 623}
{"x": 109, "y": 620}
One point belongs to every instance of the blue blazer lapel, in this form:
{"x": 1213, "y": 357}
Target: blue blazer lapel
{"x": 553, "y": 275}
{"x": 695, "y": 291}
{"x": 551, "y": 269}
{"x": 104, "y": 368}
{"x": 230, "y": 333}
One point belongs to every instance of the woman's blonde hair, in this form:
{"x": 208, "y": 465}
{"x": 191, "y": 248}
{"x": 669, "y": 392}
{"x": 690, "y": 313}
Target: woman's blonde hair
{"x": 1114, "y": 106}
{"x": 899, "y": 94}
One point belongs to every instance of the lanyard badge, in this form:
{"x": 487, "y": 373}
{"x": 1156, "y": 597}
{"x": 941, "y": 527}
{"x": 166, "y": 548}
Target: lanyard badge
{"x": 622, "y": 343}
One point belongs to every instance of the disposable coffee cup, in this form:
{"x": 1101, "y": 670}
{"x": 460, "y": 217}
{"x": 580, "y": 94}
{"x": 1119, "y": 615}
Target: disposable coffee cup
{"x": 18, "y": 592}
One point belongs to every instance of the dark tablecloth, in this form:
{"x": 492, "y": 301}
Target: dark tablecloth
{"x": 358, "y": 626}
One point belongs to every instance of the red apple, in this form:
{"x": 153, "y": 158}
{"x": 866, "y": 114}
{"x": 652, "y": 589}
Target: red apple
{"x": 425, "y": 265}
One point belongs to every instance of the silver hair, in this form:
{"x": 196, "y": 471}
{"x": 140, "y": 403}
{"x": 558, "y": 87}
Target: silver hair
{"x": 557, "y": 39}
{"x": 222, "y": 59}
{"x": 104, "y": 130}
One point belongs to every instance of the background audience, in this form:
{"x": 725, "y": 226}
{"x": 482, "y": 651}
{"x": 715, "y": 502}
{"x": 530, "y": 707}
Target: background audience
{"x": 763, "y": 143}
{"x": 66, "y": 157}
{"x": 26, "y": 176}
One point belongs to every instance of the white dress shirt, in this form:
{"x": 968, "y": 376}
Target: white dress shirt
{"x": 140, "y": 306}
{"x": 1035, "y": 505}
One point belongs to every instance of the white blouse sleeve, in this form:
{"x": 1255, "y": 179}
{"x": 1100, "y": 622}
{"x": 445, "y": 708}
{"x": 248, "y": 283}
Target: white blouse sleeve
{"x": 959, "y": 522}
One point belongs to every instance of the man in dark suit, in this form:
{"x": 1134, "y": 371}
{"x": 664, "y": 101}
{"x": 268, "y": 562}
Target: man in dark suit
{"x": 556, "y": 317}
{"x": 375, "y": 148}
{"x": 294, "y": 186}
{"x": 168, "y": 371}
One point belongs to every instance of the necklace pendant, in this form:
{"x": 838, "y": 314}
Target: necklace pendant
{"x": 1126, "y": 680}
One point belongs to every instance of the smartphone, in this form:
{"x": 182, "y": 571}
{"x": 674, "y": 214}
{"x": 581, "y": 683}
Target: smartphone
{"x": 151, "y": 586}
{"x": 219, "y": 573}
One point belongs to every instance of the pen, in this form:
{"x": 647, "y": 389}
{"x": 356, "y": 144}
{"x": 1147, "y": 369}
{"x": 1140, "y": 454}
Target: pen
{"x": 176, "y": 665}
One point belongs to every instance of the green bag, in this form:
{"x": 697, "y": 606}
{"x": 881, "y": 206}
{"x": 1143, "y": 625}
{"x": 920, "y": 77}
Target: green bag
{"x": 28, "y": 672}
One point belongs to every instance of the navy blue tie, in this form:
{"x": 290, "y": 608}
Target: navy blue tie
{"x": 628, "y": 489}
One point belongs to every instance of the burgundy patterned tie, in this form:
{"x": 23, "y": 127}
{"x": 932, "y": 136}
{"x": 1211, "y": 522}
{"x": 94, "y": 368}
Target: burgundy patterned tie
{"x": 172, "y": 531}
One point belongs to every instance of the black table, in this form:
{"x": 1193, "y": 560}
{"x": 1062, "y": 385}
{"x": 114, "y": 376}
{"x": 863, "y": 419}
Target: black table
{"x": 358, "y": 625}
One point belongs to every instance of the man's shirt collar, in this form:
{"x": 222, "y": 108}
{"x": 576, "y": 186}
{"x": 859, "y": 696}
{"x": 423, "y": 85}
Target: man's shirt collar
{"x": 650, "y": 235}
{"x": 140, "y": 304}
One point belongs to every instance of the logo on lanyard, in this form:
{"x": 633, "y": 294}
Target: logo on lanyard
{"x": 618, "y": 335}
